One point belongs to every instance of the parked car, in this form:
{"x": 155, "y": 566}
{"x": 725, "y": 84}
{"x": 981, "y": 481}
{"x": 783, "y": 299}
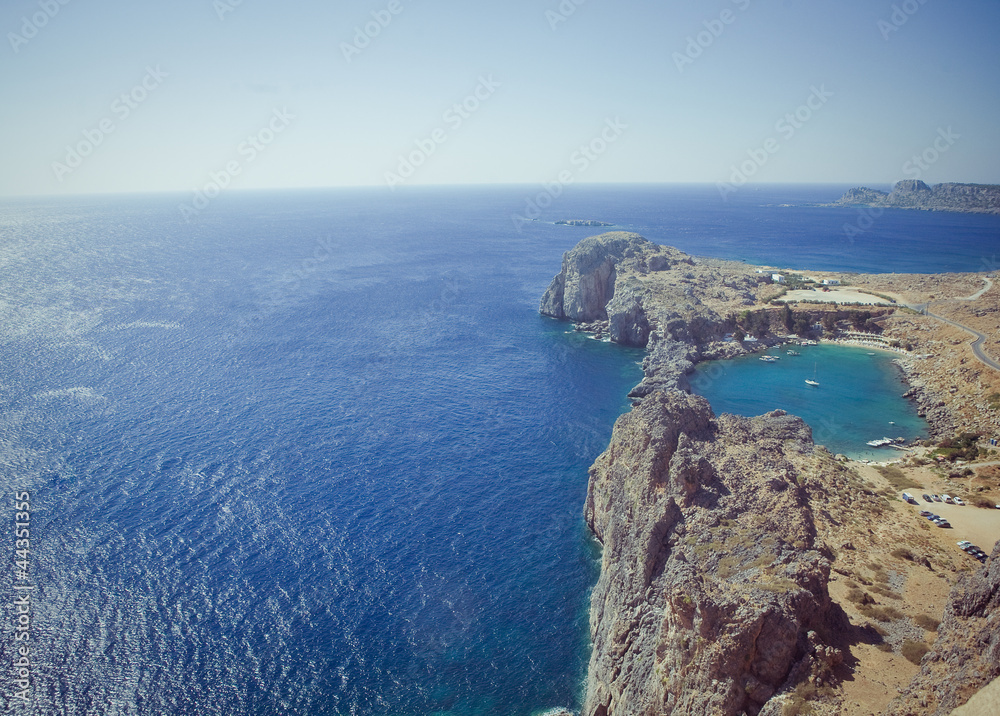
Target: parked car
{"x": 935, "y": 498}
{"x": 927, "y": 498}
{"x": 963, "y": 543}
{"x": 958, "y": 501}
{"x": 925, "y": 513}
{"x": 947, "y": 498}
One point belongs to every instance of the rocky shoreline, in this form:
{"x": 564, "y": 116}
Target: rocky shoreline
{"x": 714, "y": 594}
{"x": 930, "y": 407}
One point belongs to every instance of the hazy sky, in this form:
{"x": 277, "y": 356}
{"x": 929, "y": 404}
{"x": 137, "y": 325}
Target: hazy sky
{"x": 142, "y": 95}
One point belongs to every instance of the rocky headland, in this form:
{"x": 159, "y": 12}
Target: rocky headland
{"x": 713, "y": 595}
{"x": 742, "y": 572}
{"x": 915, "y": 194}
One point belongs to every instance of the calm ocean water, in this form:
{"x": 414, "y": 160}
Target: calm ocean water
{"x": 316, "y": 452}
{"x": 859, "y": 396}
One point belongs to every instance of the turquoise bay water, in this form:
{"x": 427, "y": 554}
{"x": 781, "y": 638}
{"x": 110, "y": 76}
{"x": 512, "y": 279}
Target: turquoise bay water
{"x": 859, "y": 397}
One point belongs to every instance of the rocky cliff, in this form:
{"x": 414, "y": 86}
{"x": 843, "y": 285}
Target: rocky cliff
{"x": 713, "y": 590}
{"x": 966, "y": 654}
{"x": 586, "y": 283}
{"x": 714, "y": 594}
{"x": 647, "y": 295}
{"x": 915, "y": 194}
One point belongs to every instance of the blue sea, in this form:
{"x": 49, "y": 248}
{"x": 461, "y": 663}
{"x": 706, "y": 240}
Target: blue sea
{"x": 315, "y": 452}
{"x": 858, "y": 397}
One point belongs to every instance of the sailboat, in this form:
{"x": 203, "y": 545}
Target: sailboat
{"x": 812, "y": 381}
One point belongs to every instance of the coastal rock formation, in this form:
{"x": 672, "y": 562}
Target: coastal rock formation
{"x": 966, "y": 655}
{"x": 713, "y": 589}
{"x": 582, "y": 289}
{"x": 714, "y": 594}
{"x": 915, "y": 194}
{"x": 627, "y": 321}
{"x": 648, "y": 295}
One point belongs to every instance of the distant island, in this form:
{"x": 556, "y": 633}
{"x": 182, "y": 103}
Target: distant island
{"x": 915, "y": 194}
{"x": 582, "y": 222}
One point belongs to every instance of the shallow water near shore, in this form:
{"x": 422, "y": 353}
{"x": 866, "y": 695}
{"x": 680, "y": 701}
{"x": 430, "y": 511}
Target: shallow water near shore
{"x": 859, "y": 396}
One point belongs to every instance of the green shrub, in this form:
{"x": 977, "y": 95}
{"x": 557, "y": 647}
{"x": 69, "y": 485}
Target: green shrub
{"x": 927, "y": 622}
{"x": 914, "y": 650}
{"x": 859, "y": 596}
{"x": 879, "y": 613}
{"x": 896, "y": 477}
{"x": 885, "y": 592}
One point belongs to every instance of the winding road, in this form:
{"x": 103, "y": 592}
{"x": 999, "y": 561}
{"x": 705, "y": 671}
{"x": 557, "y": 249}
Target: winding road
{"x": 977, "y": 345}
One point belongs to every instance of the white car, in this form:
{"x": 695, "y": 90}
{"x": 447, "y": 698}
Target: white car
{"x": 947, "y": 498}
{"x": 958, "y": 500}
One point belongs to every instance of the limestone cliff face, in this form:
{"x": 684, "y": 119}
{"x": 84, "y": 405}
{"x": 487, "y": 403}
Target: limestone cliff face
{"x": 582, "y": 289}
{"x": 966, "y": 654}
{"x": 627, "y": 320}
{"x": 645, "y": 295}
{"x": 713, "y": 591}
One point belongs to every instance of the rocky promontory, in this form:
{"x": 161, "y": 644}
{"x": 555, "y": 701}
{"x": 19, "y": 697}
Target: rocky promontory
{"x": 713, "y": 591}
{"x": 915, "y": 194}
{"x": 642, "y": 294}
{"x": 746, "y": 570}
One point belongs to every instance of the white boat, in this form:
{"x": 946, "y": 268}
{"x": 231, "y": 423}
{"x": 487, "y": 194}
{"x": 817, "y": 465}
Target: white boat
{"x": 880, "y": 442}
{"x": 812, "y": 381}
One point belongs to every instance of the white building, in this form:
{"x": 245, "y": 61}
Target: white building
{"x": 831, "y": 282}
{"x": 777, "y": 278}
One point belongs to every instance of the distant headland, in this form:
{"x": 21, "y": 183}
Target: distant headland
{"x": 915, "y": 194}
